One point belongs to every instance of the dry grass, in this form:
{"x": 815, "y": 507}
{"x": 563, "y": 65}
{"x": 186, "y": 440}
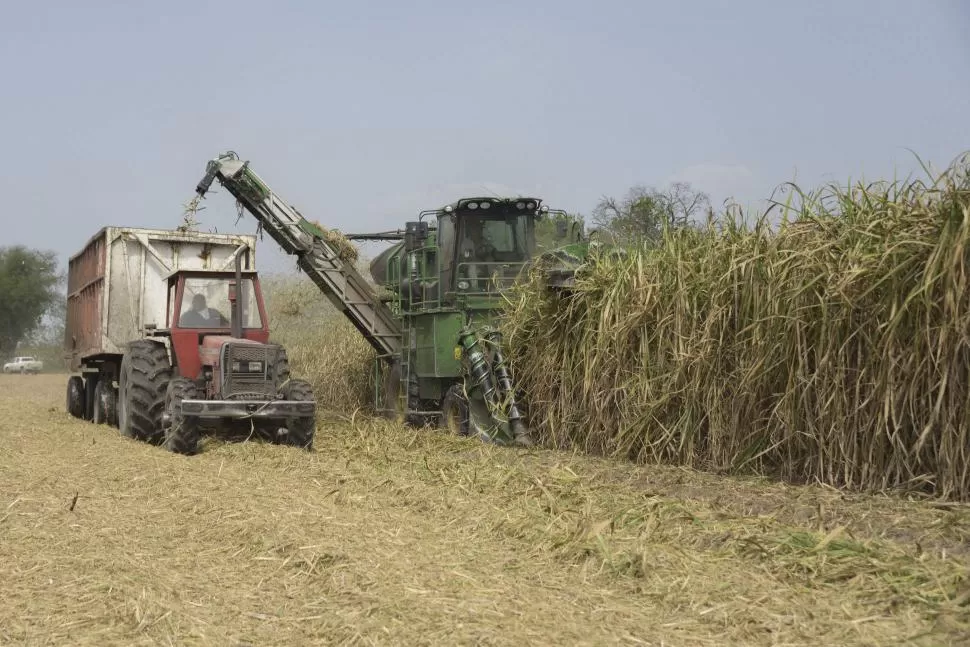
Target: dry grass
{"x": 835, "y": 350}
{"x": 322, "y": 345}
{"x": 385, "y": 535}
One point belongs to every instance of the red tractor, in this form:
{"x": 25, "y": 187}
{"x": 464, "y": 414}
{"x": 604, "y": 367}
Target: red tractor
{"x": 210, "y": 365}
{"x": 224, "y": 369}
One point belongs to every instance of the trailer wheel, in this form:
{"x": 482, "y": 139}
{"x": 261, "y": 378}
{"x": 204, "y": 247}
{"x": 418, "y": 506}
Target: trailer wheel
{"x": 105, "y": 403}
{"x": 75, "y": 396}
{"x": 299, "y": 431}
{"x": 145, "y": 374}
{"x": 181, "y": 432}
{"x": 91, "y": 382}
{"x": 454, "y": 411}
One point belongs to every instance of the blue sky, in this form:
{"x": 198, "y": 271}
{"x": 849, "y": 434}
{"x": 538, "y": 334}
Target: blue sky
{"x": 362, "y": 114}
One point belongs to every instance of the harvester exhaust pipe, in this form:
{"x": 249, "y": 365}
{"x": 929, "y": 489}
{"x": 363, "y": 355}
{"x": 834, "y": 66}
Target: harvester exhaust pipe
{"x": 516, "y": 424}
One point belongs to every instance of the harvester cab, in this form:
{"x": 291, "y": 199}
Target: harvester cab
{"x": 439, "y": 351}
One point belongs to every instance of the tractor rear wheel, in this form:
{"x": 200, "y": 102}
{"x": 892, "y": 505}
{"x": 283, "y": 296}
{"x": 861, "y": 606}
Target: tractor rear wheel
{"x": 299, "y": 431}
{"x": 181, "y": 432}
{"x": 75, "y": 396}
{"x": 145, "y": 374}
{"x": 454, "y": 411}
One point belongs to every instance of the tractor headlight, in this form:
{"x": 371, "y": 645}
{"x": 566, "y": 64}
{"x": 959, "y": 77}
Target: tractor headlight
{"x": 462, "y": 285}
{"x": 247, "y": 367}
{"x": 486, "y": 205}
{"x": 472, "y": 205}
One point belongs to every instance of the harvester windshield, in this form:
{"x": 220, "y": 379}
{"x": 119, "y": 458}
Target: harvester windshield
{"x": 205, "y": 303}
{"x": 489, "y": 244}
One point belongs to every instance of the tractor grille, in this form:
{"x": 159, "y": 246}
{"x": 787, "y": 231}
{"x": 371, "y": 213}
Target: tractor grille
{"x": 248, "y": 371}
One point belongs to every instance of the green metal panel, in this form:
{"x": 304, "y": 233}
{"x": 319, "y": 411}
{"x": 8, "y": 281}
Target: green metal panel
{"x": 437, "y": 338}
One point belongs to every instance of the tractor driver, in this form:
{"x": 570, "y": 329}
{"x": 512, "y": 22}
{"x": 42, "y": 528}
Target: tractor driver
{"x": 201, "y": 316}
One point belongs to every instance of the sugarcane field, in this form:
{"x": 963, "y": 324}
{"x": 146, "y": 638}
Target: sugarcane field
{"x": 620, "y": 324}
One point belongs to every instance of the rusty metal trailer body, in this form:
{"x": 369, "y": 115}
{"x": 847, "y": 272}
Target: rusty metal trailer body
{"x": 117, "y": 285}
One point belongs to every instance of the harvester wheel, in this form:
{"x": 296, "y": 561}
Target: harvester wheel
{"x": 392, "y": 407}
{"x": 299, "y": 431}
{"x": 454, "y": 411}
{"x": 145, "y": 374}
{"x": 105, "y": 403}
{"x": 181, "y": 432}
{"x": 75, "y": 396}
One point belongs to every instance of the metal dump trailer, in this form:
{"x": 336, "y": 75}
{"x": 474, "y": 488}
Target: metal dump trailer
{"x": 117, "y": 293}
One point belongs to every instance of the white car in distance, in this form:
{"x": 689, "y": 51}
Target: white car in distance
{"x": 23, "y": 365}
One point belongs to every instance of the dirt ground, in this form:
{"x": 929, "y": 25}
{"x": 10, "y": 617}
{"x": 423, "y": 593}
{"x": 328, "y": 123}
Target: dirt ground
{"x": 385, "y": 535}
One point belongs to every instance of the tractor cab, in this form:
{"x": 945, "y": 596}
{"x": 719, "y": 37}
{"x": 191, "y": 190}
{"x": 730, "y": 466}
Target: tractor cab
{"x": 209, "y": 309}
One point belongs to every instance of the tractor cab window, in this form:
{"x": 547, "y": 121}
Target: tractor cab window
{"x": 205, "y": 304}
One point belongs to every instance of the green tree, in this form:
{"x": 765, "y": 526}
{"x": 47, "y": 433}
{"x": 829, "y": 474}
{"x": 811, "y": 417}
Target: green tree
{"x": 643, "y": 213}
{"x": 28, "y": 290}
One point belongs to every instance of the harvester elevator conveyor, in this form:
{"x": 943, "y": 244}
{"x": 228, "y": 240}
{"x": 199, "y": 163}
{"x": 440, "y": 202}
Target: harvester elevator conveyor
{"x": 337, "y": 278}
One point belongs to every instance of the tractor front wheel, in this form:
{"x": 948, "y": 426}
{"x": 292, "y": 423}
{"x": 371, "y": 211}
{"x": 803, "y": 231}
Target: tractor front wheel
{"x": 181, "y": 432}
{"x": 299, "y": 431}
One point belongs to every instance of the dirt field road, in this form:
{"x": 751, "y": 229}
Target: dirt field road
{"x": 392, "y": 536}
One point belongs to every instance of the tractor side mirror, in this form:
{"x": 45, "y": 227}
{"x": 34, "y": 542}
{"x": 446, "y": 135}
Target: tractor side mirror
{"x": 561, "y": 229}
{"x": 232, "y": 291}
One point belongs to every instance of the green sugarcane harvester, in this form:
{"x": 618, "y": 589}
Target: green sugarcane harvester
{"x": 439, "y": 351}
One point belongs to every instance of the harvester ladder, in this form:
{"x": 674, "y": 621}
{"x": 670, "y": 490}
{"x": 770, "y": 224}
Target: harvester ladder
{"x": 336, "y": 277}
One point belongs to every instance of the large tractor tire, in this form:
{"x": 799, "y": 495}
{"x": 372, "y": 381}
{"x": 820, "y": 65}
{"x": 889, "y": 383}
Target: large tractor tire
{"x": 142, "y": 385}
{"x": 105, "y": 403}
{"x": 281, "y": 369}
{"x": 75, "y": 396}
{"x": 182, "y": 432}
{"x": 454, "y": 411}
{"x": 299, "y": 431}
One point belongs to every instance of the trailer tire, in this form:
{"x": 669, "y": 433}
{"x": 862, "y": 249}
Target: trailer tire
{"x": 299, "y": 431}
{"x": 90, "y": 395}
{"x": 454, "y": 411}
{"x": 181, "y": 433}
{"x": 75, "y": 396}
{"x": 105, "y": 403}
{"x": 143, "y": 383}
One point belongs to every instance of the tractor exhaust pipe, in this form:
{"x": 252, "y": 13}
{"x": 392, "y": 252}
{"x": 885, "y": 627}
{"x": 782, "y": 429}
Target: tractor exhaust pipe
{"x": 235, "y": 307}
